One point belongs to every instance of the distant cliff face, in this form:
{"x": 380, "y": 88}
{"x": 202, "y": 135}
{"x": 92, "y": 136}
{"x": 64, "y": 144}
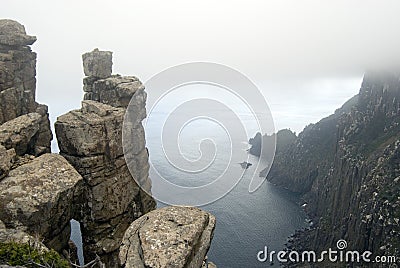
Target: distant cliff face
{"x": 262, "y": 145}
{"x": 348, "y": 168}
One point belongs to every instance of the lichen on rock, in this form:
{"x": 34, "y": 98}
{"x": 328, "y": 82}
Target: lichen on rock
{"x": 168, "y": 237}
{"x": 38, "y": 198}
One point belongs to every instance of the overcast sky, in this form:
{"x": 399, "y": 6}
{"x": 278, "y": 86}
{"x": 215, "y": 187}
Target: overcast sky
{"x": 307, "y": 57}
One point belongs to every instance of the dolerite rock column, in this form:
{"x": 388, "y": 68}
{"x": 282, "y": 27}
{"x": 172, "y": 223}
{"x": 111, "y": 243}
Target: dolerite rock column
{"x": 17, "y": 71}
{"x": 30, "y": 134}
{"x": 91, "y": 140}
{"x": 36, "y": 193}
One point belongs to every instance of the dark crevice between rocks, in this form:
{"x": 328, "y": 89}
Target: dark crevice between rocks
{"x": 140, "y": 249}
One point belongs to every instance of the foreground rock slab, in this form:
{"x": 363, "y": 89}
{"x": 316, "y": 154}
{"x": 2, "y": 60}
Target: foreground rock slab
{"x": 38, "y": 198}
{"x": 168, "y": 237}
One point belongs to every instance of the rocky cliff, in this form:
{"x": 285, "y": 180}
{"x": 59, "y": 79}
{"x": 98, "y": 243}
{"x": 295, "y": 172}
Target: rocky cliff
{"x": 91, "y": 140}
{"x": 24, "y": 123}
{"x": 37, "y": 189}
{"x": 89, "y": 180}
{"x": 347, "y": 166}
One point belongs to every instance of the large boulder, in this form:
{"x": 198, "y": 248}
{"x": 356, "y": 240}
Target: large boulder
{"x": 168, "y": 237}
{"x": 94, "y": 130}
{"x": 37, "y": 197}
{"x": 27, "y": 134}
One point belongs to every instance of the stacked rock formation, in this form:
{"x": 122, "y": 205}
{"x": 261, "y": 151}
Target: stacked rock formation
{"x": 25, "y": 124}
{"x": 91, "y": 140}
{"x": 17, "y": 71}
{"x": 37, "y": 189}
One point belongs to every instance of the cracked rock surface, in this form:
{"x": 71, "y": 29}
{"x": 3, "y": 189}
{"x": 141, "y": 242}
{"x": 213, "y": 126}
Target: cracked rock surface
{"x": 168, "y": 237}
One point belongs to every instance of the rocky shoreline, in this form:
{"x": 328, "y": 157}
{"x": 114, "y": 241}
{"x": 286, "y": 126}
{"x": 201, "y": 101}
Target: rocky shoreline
{"x": 346, "y": 167}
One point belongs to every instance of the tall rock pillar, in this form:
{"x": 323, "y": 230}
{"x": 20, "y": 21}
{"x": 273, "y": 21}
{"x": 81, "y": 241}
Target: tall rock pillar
{"x": 91, "y": 140}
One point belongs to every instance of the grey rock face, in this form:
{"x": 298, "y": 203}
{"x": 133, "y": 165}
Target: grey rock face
{"x": 168, "y": 237}
{"x": 350, "y": 164}
{"x": 115, "y": 90}
{"x": 6, "y": 160}
{"x": 36, "y": 194}
{"x": 93, "y": 130}
{"x": 13, "y": 33}
{"x": 41, "y": 192}
{"x": 17, "y": 94}
{"x": 27, "y": 134}
{"x": 97, "y": 63}
{"x": 38, "y": 198}
{"x": 17, "y": 71}
{"x": 91, "y": 140}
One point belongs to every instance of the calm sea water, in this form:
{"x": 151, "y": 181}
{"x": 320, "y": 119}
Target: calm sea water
{"x": 246, "y": 222}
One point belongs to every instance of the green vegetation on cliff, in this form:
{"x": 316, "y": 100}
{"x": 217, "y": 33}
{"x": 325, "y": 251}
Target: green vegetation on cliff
{"x": 24, "y": 254}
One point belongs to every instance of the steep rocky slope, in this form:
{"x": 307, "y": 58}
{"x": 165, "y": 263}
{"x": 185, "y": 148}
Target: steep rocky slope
{"x": 347, "y": 166}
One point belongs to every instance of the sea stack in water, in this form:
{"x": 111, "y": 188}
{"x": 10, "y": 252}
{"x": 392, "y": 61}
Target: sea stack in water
{"x": 245, "y": 165}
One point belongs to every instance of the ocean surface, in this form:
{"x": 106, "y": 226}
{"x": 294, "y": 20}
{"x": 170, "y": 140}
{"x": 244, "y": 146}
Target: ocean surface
{"x": 246, "y": 222}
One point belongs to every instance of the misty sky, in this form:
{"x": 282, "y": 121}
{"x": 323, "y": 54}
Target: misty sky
{"x": 307, "y": 57}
